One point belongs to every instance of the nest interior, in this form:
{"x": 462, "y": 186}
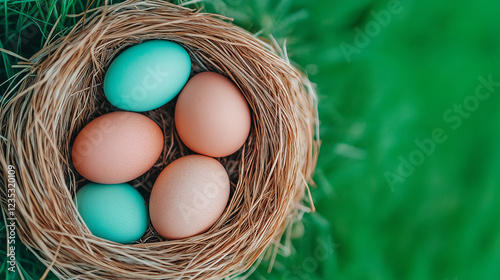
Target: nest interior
{"x": 60, "y": 91}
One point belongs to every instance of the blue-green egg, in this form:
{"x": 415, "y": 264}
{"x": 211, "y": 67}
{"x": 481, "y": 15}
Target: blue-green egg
{"x": 147, "y": 75}
{"x": 114, "y": 212}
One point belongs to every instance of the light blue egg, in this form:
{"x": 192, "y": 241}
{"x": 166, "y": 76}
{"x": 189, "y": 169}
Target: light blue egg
{"x": 114, "y": 212}
{"x": 147, "y": 76}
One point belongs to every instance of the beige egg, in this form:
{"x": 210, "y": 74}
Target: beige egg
{"x": 188, "y": 197}
{"x": 212, "y": 116}
{"x": 117, "y": 147}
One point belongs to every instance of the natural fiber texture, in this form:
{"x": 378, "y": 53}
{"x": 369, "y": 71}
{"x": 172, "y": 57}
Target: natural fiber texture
{"x": 61, "y": 91}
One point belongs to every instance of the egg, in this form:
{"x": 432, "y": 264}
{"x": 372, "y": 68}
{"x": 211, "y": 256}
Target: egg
{"x": 114, "y": 212}
{"x": 117, "y": 147}
{"x": 212, "y": 116}
{"x": 188, "y": 197}
{"x": 147, "y": 76}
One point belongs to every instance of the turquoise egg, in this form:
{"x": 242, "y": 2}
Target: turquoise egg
{"x": 114, "y": 212}
{"x": 147, "y": 76}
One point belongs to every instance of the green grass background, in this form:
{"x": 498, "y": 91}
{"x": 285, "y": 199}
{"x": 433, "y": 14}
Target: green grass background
{"x": 440, "y": 222}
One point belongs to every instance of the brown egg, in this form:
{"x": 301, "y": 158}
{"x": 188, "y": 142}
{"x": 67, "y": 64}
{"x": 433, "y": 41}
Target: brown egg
{"x": 188, "y": 196}
{"x": 117, "y": 147}
{"x": 212, "y": 116}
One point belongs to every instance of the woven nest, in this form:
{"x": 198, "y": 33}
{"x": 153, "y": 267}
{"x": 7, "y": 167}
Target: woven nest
{"x": 60, "y": 90}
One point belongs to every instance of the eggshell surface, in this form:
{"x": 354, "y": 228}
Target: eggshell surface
{"x": 188, "y": 197}
{"x": 147, "y": 75}
{"x": 212, "y": 116}
{"x": 114, "y": 212}
{"x": 117, "y": 147}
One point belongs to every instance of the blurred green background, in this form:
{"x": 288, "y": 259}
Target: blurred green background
{"x": 409, "y": 168}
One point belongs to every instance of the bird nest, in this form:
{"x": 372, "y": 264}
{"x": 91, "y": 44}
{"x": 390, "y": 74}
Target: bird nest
{"x": 59, "y": 90}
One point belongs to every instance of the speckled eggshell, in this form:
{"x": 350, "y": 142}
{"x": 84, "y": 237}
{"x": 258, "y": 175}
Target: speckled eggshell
{"x": 188, "y": 197}
{"x": 117, "y": 147}
{"x": 212, "y": 116}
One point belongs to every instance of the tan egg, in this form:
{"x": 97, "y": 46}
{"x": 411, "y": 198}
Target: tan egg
{"x": 117, "y": 147}
{"x": 212, "y": 116}
{"x": 188, "y": 197}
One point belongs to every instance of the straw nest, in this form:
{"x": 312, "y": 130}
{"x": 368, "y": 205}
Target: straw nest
{"x": 60, "y": 90}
